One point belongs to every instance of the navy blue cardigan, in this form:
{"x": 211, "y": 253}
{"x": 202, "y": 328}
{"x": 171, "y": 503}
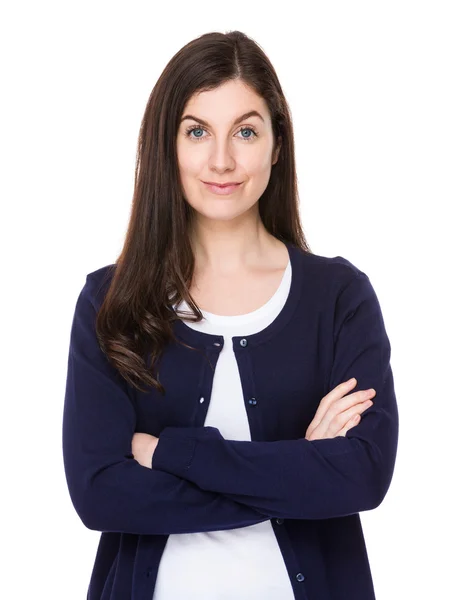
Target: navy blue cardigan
{"x": 329, "y": 330}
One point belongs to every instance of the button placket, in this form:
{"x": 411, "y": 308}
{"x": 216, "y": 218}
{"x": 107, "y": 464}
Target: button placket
{"x": 252, "y": 401}
{"x": 212, "y": 352}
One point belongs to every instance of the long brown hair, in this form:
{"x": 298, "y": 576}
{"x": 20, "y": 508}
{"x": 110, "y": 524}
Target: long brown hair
{"x": 156, "y": 262}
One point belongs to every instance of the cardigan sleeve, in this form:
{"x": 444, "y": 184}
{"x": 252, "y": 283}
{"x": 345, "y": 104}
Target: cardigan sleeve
{"x": 302, "y": 479}
{"x": 110, "y": 490}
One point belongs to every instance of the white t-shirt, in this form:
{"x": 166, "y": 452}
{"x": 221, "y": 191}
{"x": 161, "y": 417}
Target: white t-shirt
{"x": 238, "y": 564}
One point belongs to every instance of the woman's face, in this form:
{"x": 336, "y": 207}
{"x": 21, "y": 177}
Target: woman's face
{"x": 220, "y": 149}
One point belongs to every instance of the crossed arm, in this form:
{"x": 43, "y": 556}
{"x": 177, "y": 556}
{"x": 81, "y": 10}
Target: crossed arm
{"x": 303, "y": 479}
{"x": 198, "y": 481}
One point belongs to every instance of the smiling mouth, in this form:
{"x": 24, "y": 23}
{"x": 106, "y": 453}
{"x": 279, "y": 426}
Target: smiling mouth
{"x": 222, "y": 184}
{"x": 222, "y": 190}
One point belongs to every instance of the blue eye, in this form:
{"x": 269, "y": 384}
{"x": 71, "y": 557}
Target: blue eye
{"x": 200, "y": 128}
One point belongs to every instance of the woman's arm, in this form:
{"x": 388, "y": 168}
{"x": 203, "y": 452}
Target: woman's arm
{"x": 302, "y": 479}
{"x": 109, "y": 489}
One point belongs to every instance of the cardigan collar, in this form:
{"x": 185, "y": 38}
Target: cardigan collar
{"x": 201, "y": 339}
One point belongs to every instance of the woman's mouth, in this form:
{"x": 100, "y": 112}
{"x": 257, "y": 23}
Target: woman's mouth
{"x": 222, "y": 190}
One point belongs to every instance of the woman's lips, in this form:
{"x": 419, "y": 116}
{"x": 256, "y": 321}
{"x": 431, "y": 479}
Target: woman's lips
{"x": 222, "y": 190}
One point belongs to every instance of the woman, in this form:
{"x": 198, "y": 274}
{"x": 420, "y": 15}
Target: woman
{"x": 230, "y": 404}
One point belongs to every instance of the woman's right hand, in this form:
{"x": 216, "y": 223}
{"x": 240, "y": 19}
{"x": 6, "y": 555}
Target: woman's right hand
{"x": 337, "y": 410}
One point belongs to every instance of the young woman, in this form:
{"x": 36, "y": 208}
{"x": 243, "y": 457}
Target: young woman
{"x": 230, "y": 404}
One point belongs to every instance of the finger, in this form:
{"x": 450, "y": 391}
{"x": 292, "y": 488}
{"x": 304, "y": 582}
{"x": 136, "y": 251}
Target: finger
{"x": 351, "y": 400}
{"x": 349, "y": 425}
{"x": 340, "y": 411}
{"x": 332, "y": 423}
{"x": 341, "y": 405}
{"x": 338, "y": 392}
{"x": 335, "y": 423}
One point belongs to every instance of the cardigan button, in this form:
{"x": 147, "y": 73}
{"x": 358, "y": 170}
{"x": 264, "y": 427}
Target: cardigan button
{"x": 279, "y": 521}
{"x": 300, "y": 577}
{"x": 252, "y": 401}
{"x": 243, "y": 342}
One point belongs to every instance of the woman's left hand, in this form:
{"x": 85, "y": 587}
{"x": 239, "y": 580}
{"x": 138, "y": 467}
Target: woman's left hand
{"x": 143, "y": 447}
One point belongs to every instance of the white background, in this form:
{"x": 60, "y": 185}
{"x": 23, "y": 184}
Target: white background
{"x": 368, "y": 84}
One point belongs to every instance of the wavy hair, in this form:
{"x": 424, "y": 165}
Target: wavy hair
{"x": 155, "y": 266}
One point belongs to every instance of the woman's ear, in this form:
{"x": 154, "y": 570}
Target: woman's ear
{"x": 277, "y": 150}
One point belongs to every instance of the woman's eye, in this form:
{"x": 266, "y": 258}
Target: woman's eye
{"x": 198, "y": 128}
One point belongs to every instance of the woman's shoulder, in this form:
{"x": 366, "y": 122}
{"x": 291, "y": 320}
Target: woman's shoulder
{"x": 98, "y": 282}
{"x": 333, "y": 268}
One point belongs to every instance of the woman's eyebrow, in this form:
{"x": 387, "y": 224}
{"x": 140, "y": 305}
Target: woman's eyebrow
{"x": 251, "y": 113}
